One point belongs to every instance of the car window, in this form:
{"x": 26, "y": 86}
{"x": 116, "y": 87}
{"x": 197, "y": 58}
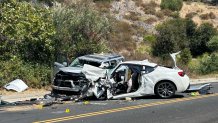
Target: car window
{"x": 148, "y": 69}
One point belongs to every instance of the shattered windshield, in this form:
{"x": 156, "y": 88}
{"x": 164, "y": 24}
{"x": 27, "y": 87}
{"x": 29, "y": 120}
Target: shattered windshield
{"x": 80, "y": 63}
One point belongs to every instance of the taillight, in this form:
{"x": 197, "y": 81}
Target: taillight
{"x": 181, "y": 73}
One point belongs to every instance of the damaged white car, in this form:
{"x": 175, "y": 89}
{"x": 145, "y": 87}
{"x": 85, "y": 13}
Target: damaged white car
{"x": 134, "y": 79}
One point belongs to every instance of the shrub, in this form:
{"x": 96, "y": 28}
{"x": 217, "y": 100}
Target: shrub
{"x": 34, "y": 75}
{"x": 185, "y": 56}
{"x": 79, "y": 25}
{"x": 159, "y": 14}
{"x": 174, "y": 5}
{"x": 149, "y": 8}
{"x": 208, "y": 63}
{"x": 207, "y": 16}
{"x": 29, "y": 31}
{"x": 170, "y": 37}
{"x": 149, "y": 38}
{"x": 190, "y": 15}
{"x": 213, "y": 44}
{"x": 202, "y": 35}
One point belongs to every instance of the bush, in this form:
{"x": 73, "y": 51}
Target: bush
{"x": 28, "y": 30}
{"x": 190, "y": 15}
{"x": 208, "y": 63}
{"x": 174, "y": 5}
{"x": 150, "y": 38}
{"x": 202, "y": 35}
{"x": 80, "y": 30}
{"x": 207, "y": 16}
{"x": 185, "y": 56}
{"x": 213, "y": 44}
{"x": 34, "y": 75}
{"x": 149, "y": 8}
{"x": 171, "y": 37}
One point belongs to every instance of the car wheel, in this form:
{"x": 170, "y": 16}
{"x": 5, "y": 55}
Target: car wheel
{"x": 165, "y": 89}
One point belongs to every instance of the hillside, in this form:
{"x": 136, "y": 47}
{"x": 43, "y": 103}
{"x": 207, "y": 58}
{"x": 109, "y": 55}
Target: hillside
{"x": 137, "y": 18}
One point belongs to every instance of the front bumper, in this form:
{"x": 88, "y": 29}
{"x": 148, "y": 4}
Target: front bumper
{"x": 65, "y": 88}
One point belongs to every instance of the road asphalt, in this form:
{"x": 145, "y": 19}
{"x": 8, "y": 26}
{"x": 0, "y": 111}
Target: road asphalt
{"x": 183, "y": 108}
{"x": 13, "y": 97}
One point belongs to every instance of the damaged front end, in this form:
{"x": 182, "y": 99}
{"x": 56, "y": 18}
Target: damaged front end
{"x": 67, "y": 82}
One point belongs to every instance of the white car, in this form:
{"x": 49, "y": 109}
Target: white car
{"x": 135, "y": 79}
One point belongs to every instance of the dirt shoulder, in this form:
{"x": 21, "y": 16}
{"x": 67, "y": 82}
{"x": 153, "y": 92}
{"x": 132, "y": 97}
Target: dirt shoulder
{"x": 12, "y": 96}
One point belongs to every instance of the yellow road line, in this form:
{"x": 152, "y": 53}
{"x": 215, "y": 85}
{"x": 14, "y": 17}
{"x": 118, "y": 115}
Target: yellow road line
{"x": 123, "y": 109}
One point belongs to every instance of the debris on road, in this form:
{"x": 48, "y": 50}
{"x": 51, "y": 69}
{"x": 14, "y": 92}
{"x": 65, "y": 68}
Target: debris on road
{"x": 201, "y": 89}
{"x": 16, "y": 85}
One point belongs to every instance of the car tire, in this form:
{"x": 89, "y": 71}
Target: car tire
{"x": 165, "y": 89}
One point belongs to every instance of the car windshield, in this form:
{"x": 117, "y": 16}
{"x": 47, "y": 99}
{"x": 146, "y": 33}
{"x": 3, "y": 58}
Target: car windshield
{"x": 80, "y": 63}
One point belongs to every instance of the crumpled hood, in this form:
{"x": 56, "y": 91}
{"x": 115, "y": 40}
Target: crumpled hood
{"x": 71, "y": 69}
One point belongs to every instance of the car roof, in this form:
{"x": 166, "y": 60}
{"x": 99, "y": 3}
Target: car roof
{"x": 144, "y": 62}
{"x": 101, "y": 57}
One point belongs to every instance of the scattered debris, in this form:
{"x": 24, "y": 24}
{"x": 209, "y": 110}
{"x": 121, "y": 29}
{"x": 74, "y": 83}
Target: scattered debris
{"x": 86, "y": 102}
{"x": 128, "y": 99}
{"x": 16, "y": 85}
{"x": 200, "y": 89}
{"x": 194, "y": 94}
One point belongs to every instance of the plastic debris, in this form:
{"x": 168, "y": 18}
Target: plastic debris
{"x": 16, "y": 85}
{"x": 128, "y": 98}
{"x": 86, "y": 102}
{"x": 195, "y": 94}
{"x": 39, "y": 106}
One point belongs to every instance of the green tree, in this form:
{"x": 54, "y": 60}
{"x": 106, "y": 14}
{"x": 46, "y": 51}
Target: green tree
{"x": 174, "y": 5}
{"x": 185, "y": 56}
{"x": 171, "y": 37}
{"x": 213, "y": 44}
{"x": 29, "y": 30}
{"x": 203, "y": 34}
{"x": 80, "y": 30}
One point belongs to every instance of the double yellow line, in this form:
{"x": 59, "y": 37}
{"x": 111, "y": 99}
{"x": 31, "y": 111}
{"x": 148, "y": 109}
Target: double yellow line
{"x": 123, "y": 109}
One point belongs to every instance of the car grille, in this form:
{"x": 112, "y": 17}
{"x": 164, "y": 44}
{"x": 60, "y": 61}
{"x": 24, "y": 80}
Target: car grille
{"x": 63, "y": 79}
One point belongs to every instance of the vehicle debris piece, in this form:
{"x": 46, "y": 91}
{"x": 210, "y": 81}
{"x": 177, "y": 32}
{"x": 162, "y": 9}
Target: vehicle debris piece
{"x": 45, "y": 102}
{"x": 195, "y": 93}
{"x": 16, "y": 85}
{"x": 200, "y": 88}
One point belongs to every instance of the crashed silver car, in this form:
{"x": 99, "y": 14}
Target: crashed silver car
{"x": 135, "y": 79}
{"x": 71, "y": 79}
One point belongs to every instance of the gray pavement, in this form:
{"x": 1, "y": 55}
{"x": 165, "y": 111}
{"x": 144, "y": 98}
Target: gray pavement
{"x": 13, "y": 97}
{"x": 180, "y": 109}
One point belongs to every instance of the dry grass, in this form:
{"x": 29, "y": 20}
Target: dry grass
{"x": 149, "y": 8}
{"x": 151, "y": 20}
{"x": 190, "y": 15}
{"x": 207, "y": 16}
{"x": 103, "y": 6}
{"x": 121, "y": 38}
{"x": 201, "y": 9}
{"x": 132, "y": 16}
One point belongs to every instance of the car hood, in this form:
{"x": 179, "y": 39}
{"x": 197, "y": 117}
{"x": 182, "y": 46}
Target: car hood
{"x": 71, "y": 69}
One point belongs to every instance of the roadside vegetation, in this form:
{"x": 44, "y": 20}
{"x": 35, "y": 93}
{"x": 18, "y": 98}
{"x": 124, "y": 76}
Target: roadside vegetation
{"x": 34, "y": 34}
